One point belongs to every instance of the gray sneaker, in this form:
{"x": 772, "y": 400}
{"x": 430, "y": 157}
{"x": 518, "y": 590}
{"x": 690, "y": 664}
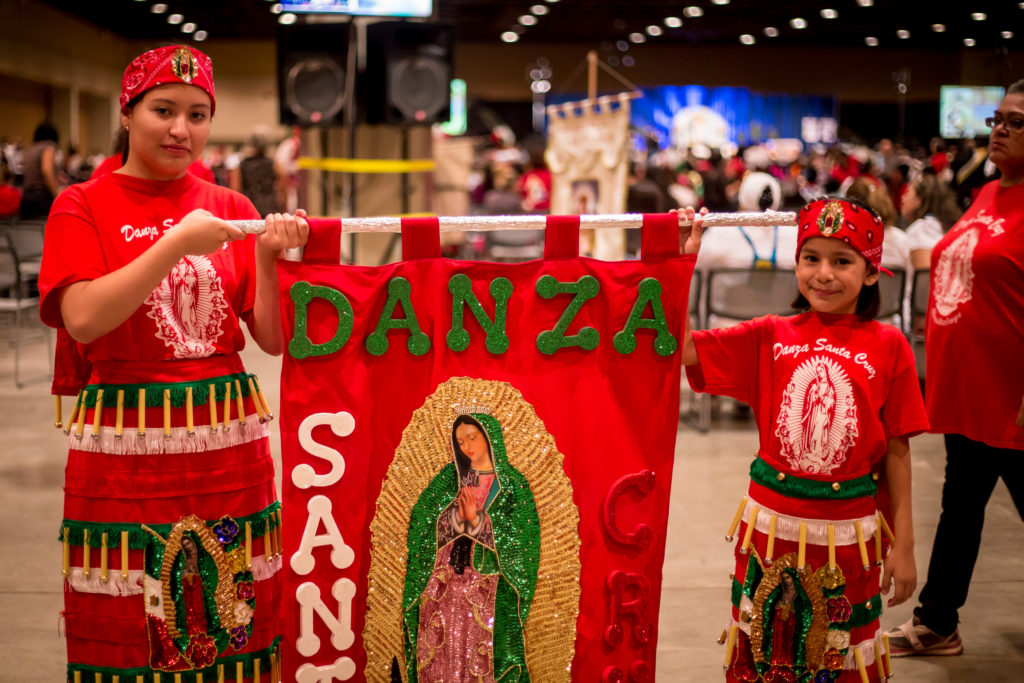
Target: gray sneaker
{"x": 914, "y": 638}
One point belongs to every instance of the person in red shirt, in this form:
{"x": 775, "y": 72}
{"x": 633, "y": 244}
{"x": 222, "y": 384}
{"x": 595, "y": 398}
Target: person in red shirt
{"x": 141, "y": 270}
{"x": 116, "y": 160}
{"x": 836, "y": 398}
{"x": 974, "y": 341}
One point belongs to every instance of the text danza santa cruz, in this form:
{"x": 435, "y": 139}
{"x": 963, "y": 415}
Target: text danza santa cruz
{"x": 822, "y": 344}
{"x": 151, "y": 231}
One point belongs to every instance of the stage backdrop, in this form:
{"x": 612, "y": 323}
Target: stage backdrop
{"x": 477, "y": 460}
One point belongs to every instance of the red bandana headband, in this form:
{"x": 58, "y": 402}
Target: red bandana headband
{"x": 859, "y": 227}
{"x": 174, "y": 64}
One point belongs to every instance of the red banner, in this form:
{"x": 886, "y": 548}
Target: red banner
{"x": 477, "y": 460}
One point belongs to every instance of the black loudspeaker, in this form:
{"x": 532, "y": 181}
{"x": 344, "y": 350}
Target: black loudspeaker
{"x": 311, "y": 73}
{"x": 408, "y": 72}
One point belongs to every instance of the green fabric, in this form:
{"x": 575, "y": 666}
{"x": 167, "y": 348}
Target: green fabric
{"x": 516, "y": 526}
{"x": 155, "y": 392}
{"x": 796, "y": 487}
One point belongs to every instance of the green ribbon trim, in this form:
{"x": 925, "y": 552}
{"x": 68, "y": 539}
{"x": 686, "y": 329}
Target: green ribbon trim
{"x": 861, "y": 615}
{"x": 139, "y": 538}
{"x": 795, "y": 487}
{"x": 209, "y": 674}
{"x": 155, "y": 391}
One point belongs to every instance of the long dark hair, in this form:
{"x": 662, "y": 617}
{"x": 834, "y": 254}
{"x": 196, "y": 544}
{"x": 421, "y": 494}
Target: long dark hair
{"x": 462, "y": 462}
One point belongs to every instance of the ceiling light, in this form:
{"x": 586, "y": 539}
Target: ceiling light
{"x": 552, "y": 1}
{"x": 693, "y": 11}
{"x": 829, "y": 14}
{"x": 510, "y": 36}
{"x": 1007, "y": 34}
{"x": 200, "y": 35}
{"x": 287, "y": 19}
{"x": 747, "y": 39}
{"x": 158, "y": 8}
{"x": 771, "y": 31}
{"x": 719, "y": 2}
{"x": 979, "y": 16}
{"x": 969, "y": 42}
{"x": 622, "y": 45}
{"x": 798, "y": 23}
{"x": 871, "y": 41}
{"x": 628, "y": 61}
{"x": 276, "y": 9}
{"x": 865, "y": 3}
{"x": 673, "y": 22}
{"x": 188, "y": 27}
{"x": 527, "y": 20}
{"x": 175, "y": 19}
{"x": 903, "y": 34}
{"x": 539, "y": 10}
{"x": 653, "y": 30}
{"x": 637, "y": 37}
{"x": 939, "y": 28}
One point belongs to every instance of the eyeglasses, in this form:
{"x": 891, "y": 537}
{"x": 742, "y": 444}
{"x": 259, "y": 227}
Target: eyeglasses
{"x": 1012, "y": 125}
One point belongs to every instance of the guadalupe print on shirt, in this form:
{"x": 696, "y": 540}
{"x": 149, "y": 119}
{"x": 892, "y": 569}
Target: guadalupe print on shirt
{"x": 817, "y": 423}
{"x": 189, "y": 307}
{"x": 954, "y": 275}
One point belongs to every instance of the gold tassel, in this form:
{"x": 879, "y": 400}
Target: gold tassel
{"x": 721, "y": 638}
{"x": 861, "y": 545}
{"x": 280, "y": 532}
{"x": 67, "y": 553}
{"x": 214, "y": 425}
{"x": 878, "y": 547}
{"x": 749, "y": 533}
{"x": 190, "y": 427}
{"x": 139, "y": 679}
{"x": 771, "y": 539}
{"x": 256, "y": 401}
{"x": 878, "y": 661}
{"x": 86, "y": 568}
{"x": 240, "y": 401}
{"x": 58, "y": 423}
{"x": 119, "y": 427}
{"x": 263, "y": 400}
{"x": 860, "y": 665}
{"x": 832, "y": 547}
{"x": 116, "y": 678}
{"x": 220, "y": 673}
{"x": 199, "y": 677}
{"x": 78, "y": 677}
{"x": 248, "y": 546}
{"x": 104, "y": 575}
{"x": 167, "y": 413}
{"x": 730, "y": 645}
{"x": 74, "y": 413}
{"x": 886, "y": 529}
{"x": 142, "y": 413}
{"x": 239, "y": 671}
{"x": 268, "y": 551}
{"x": 888, "y": 655}
{"x": 736, "y": 520}
{"x": 273, "y": 667}
{"x": 227, "y": 405}
{"x": 96, "y": 414}
{"x": 802, "y": 548}
{"x": 97, "y": 677}
{"x": 274, "y": 548}
{"x": 177, "y": 678}
{"x": 156, "y": 677}
{"x": 124, "y": 555}
{"x": 256, "y": 670}
{"x": 80, "y": 427}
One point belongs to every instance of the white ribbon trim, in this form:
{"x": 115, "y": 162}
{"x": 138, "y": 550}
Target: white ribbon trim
{"x": 201, "y": 440}
{"x": 788, "y": 528}
{"x": 119, "y": 587}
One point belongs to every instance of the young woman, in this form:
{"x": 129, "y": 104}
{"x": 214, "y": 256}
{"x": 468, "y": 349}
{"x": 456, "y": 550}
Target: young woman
{"x": 930, "y": 208}
{"x": 170, "y": 537}
{"x": 836, "y": 399}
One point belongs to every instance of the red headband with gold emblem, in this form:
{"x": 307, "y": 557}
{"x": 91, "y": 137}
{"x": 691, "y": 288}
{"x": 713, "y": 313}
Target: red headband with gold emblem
{"x": 174, "y": 64}
{"x": 856, "y": 225}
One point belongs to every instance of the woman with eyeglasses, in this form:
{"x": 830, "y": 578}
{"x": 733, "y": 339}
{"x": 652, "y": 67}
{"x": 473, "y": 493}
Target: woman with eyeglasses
{"x": 975, "y": 353}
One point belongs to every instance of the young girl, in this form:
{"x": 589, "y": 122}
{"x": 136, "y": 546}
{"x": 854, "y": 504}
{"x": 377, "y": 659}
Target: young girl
{"x": 836, "y": 398}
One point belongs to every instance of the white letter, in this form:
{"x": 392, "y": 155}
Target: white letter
{"x": 304, "y": 475}
{"x": 342, "y": 637}
{"x": 342, "y": 669}
{"x": 320, "y": 511}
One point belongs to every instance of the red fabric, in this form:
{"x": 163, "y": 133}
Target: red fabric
{"x": 975, "y": 335}
{"x": 611, "y": 414}
{"x": 421, "y": 238}
{"x": 112, "y": 163}
{"x": 170, "y": 64}
{"x": 535, "y": 189}
{"x": 10, "y": 200}
{"x": 845, "y": 221}
{"x": 101, "y": 225}
{"x": 758, "y": 361}
{"x": 562, "y": 237}
{"x": 324, "y": 244}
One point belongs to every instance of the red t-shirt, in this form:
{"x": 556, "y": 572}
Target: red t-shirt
{"x": 101, "y": 225}
{"x": 827, "y": 391}
{"x": 112, "y": 163}
{"x": 975, "y": 330}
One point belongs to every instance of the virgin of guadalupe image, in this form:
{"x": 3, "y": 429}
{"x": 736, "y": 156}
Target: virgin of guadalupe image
{"x": 784, "y": 626}
{"x": 819, "y": 406}
{"x": 473, "y": 553}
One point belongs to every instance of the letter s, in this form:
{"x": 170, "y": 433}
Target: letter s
{"x": 303, "y": 475}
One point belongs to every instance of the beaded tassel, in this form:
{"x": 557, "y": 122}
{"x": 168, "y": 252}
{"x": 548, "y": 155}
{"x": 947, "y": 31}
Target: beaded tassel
{"x": 861, "y": 545}
{"x": 771, "y": 539}
{"x": 119, "y": 426}
{"x": 142, "y": 413}
{"x": 263, "y": 400}
{"x": 116, "y": 678}
{"x": 860, "y": 665}
{"x": 721, "y": 638}
{"x": 214, "y": 425}
{"x": 97, "y": 677}
{"x": 104, "y": 575}
{"x": 273, "y": 667}
{"x": 730, "y": 645}
{"x": 256, "y": 402}
{"x": 878, "y": 661}
{"x": 749, "y": 533}
{"x": 80, "y": 426}
{"x": 74, "y": 413}
{"x": 274, "y": 548}
{"x": 199, "y": 677}
{"x": 268, "y": 550}
{"x": 256, "y": 670}
{"x": 66, "y": 549}
{"x": 190, "y": 427}
{"x": 177, "y": 678}
{"x": 878, "y": 547}
{"x": 248, "y": 546}
{"x": 124, "y": 555}
{"x": 220, "y": 673}
{"x": 96, "y": 414}
{"x": 167, "y": 413}
{"x": 802, "y": 547}
{"x": 280, "y": 532}
{"x": 156, "y": 677}
{"x": 888, "y": 655}
{"x": 139, "y": 679}
{"x": 832, "y": 547}
{"x": 86, "y": 568}
{"x": 78, "y": 677}
{"x": 239, "y": 671}
{"x": 736, "y": 520}
{"x": 241, "y": 402}
{"x": 886, "y": 529}
{"x": 59, "y": 412}
{"x": 227, "y": 406}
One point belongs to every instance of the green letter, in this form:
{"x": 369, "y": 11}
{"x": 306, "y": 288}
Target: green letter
{"x": 462, "y": 295}
{"x": 664, "y": 344}
{"x": 585, "y": 288}
{"x": 301, "y": 346}
{"x": 377, "y": 343}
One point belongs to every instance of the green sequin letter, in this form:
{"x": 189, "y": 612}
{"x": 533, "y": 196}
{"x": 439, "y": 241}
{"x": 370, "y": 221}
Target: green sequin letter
{"x": 301, "y": 346}
{"x": 664, "y": 344}
{"x": 462, "y": 296}
{"x": 584, "y": 289}
{"x": 377, "y": 343}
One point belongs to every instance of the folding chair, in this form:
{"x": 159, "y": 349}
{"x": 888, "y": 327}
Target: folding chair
{"x": 891, "y": 290}
{"x": 16, "y": 303}
{"x": 918, "y": 311}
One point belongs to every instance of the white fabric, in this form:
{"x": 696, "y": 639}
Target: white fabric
{"x": 133, "y": 585}
{"x": 788, "y": 528}
{"x": 924, "y": 233}
{"x": 204, "y": 439}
